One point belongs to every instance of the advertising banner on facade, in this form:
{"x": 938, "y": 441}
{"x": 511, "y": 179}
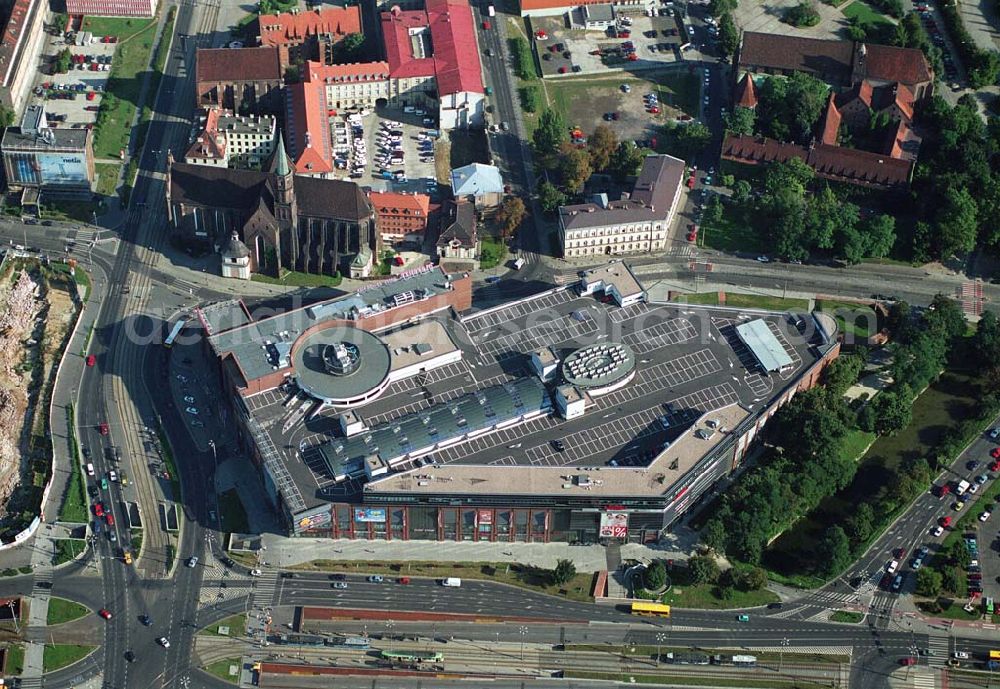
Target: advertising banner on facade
{"x": 369, "y": 514}
{"x": 485, "y": 516}
{"x": 314, "y": 521}
{"x": 614, "y": 525}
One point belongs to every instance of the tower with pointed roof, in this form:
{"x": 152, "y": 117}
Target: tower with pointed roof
{"x": 746, "y": 93}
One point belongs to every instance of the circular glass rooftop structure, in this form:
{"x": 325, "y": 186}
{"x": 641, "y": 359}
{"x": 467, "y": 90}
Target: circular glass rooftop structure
{"x": 341, "y": 366}
{"x": 600, "y": 368}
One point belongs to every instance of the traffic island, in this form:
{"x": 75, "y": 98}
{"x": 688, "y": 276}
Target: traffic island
{"x": 58, "y": 656}
{"x": 62, "y": 611}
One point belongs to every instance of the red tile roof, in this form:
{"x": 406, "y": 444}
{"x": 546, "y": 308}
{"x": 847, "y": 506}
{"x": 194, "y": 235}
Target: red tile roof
{"x": 456, "y": 53}
{"x": 452, "y": 54}
{"x": 13, "y": 34}
{"x": 396, "y": 28}
{"x": 835, "y": 163}
{"x": 112, "y": 8}
{"x": 746, "y": 92}
{"x": 354, "y": 72}
{"x": 309, "y": 128}
{"x": 393, "y": 203}
{"x": 831, "y": 122}
{"x": 825, "y": 59}
{"x": 292, "y": 29}
{"x": 209, "y": 143}
{"x": 887, "y": 63}
{"x": 238, "y": 64}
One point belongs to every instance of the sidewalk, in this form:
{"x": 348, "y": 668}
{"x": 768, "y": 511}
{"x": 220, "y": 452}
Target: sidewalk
{"x": 284, "y": 552}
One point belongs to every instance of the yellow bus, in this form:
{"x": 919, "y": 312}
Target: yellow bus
{"x": 994, "y": 655}
{"x": 650, "y": 609}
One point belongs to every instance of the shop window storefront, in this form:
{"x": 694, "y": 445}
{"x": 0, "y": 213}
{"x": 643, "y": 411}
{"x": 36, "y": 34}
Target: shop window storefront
{"x": 539, "y": 524}
{"x": 468, "y": 525}
{"x": 484, "y": 524}
{"x": 504, "y": 525}
{"x": 397, "y": 523}
{"x": 520, "y": 525}
{"x": 449, "y": 524}
{"x": 423, "y": 523}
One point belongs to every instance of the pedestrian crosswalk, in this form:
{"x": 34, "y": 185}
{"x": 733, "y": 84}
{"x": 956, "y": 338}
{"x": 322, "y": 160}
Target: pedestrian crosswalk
{"x": 87, "y": 236}
{"x": 923, "y": 678}
{"x": 938, "y": 650}
{"x": 30, "y": 683}
{"x": 264, "y": 588}
{"x": 42, "y": 580}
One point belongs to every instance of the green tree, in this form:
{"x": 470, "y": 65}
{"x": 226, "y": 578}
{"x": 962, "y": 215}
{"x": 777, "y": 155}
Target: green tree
{"x": 703, "y": 570}
{"x": 843, "y": 372}
{"x": 713, "y": 211}
{"x": 729, "y": 35}
{"x": 957, "y": 222}
{"x": 6, "y": 117}
{"x": 945, "y": 318}
{"x": 549, "y": 197}
{"x": 837, "y": 549}
{"x": 63, "y": 61}
{"x": 350, "y": 48}
{"x": 509, "y": 215}
{"x": 574, "y": 164}
{"x": 862, "y": 523}
{"x": 753, "y": 579}
{"x": 890, "y": 410}
{"x": 655, "y": 576}
{"x": 802, "y": 15}
{"x": 714, "y": 535}
{"x": 959, "y": 555}
{"x": 741, "y": 121}
{"x": 880, "y": 234}
{"x": 986, "y": 341}
{"x": 601, "y": 146}
{"x": 626, "y": 161}
{"x": 727, "y": 181}
{"x": 564, "y": 571}
{"x": 929, "y": 582}
{"x": 550, "y": 133}
{"x": 950, "y": 581}
{"x": 717, "y": 8}
{"x": 691, "y": 139}
{"x": 742, "y": 191}
{"x": 531, "y": 97}
{"x": 524, "y": 63}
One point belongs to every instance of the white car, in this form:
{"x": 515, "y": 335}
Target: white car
{"x": 192, "y": 410}
{"x": 192, "y": 561}
{"x": 995, "y": 433}
{"x": 113, "y": 477}
{"x": 974, "y": 488}
{"x": 961, "y": 655}
{"x": 985, "y": 516}
{"x": 892, "y": 566}
{"x": 255, "y": 572}
{"x": 189, "y": 399}
{"x": 763, "y": 259}
{"x": 937, "y": 531}
{"x": 163, "y": 642}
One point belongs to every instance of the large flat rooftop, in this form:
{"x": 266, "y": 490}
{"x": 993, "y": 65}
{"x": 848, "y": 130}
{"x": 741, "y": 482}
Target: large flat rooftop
{"x": 691, "y": 367}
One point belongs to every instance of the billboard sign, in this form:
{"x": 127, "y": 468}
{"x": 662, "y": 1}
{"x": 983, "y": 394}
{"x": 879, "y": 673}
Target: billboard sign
{"x": 369, "y": 514}
{"x": 314, "y": 521}
{"x": 484, "y": 516}
{"x": 63, "y": 168}
{"x": 614, "y": 525}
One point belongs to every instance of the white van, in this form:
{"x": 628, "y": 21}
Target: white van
{"x": 518, "y": 264}
{"x": 90, "y": 469}
{"x": 454, "y": 582}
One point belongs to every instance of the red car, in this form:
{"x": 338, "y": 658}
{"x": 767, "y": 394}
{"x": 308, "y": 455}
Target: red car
{"x": 103, "y": 428}
{"x": 109, "y": 518}
{"x": 98, "y": 509}
{"x": 943, "y": 490}
{"x": 995, "y": 466}
{"x": 995, "y": 453}
{"x": 486, "y": 25}
{"x": 404, "y": 580}
{"x": 945, "y": 522}
{"x": 910, "y": 660}
{"x": 105, "y": 613}
{"x": 692, "y": 235}
{"x": 91, "y": 360}
{"x": 899, "y": 553}
{"x": 654, "y": 110}
{"x": 632, "y": 57}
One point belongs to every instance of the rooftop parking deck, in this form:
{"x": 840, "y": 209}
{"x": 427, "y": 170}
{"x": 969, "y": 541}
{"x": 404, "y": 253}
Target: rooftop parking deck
{"x": 690, "y": 363}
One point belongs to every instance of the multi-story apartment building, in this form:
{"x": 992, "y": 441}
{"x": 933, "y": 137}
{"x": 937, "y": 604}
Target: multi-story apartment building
{"x": 639, "y": 222}
{"x": 42, "y": 162}
{"x": 401, "y": 217}
{"x": 325, "y": 91}
{"x": 227, "y": 140}
{"x": 304, "y": 36}
{"x": 112, "y": 8}
{"x": 20, "y": 45}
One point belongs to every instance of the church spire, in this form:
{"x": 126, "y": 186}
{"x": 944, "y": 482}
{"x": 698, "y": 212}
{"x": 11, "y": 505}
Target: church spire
{"x": 280, "y": 160}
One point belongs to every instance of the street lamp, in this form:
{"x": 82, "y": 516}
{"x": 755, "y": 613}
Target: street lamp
{"x": 781, "y": 653}
{"x": 388, "y": 630}
{"x": 496, "y": 653}
{"x": 523, "y": 631}
{"x": 660, "y": 638}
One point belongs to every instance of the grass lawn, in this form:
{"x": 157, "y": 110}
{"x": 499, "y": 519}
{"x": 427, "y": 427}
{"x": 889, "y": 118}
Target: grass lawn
{"x": 693, "y": 681}
{"x": 15, "y": 659}
{"x": 533, "y": 578}
{"x": 234, "y": 517}
{"x": 732, "y": 233}
{"x": 237, "y": 627}
{"x": 745, "y": 301}
{"x": 79, "y": 211}
{"x": 68, "y": 548}
{"x": 493, "y": 253}
{"x": 83, "y": 280}
{"x": 60, "y": 655}
{"x": 220, "y": 669}
{"x": 947, "y": 402}
{"x": 62, "y": 610}
{"x": 856, "y": 443}
{"x": 855, "y": 319}
{"x": 846, "y": 616}
{"x": 135, "y": 42}
{"x": 107, "y": 177}
{"x": 865, "y": 13}
{"x": 74, "y": 505}
{"x": 703, "y": 596}
{"x": 292, "y": 278}
{"x": 952, "y": 610}
{"x": 136, "y": 541}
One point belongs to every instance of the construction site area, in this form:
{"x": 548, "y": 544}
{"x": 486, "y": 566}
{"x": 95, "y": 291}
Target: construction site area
{"x": 38, "y": 306}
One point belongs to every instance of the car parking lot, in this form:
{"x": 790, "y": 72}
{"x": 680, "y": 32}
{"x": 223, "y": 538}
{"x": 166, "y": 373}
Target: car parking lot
{"x": 643, "y": 43}
{"x": 398, "y": 150}
{"x": 73, "y": 98}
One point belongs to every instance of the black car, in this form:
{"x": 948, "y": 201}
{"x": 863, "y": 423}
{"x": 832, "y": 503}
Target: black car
{"x": 146, "y": 620}
{"x": 775, "y": 606}
{"x": 229, "y": 562}
{"x": 338, "y": 577}
{"x": 972, "y": 465}
{"x": 86, "y": 453}
{"x": 130, "y": 656}
{"x": 47, "y": 223}
{"x": 558, "y": 445}
{"x": 289, "y": 575}
{"x": 43, "y": 584}
{"x": 93, "y": 491}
